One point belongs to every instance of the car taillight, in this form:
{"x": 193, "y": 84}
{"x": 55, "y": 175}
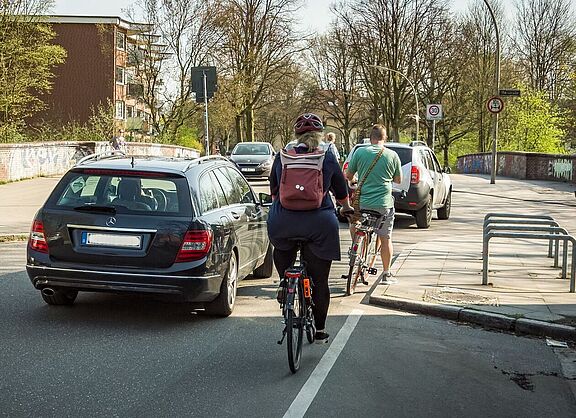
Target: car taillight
{"x": 345, "y": 166}
{"x": 195, "y": 246}
{"x": 414, "y": 175}
{"x": 37, "y": 239}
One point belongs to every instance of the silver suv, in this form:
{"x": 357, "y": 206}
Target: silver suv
{"x": 425, "y": 185}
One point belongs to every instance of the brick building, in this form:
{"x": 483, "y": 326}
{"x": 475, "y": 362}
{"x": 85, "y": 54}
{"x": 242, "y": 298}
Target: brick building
{"x": 98, "y": 70}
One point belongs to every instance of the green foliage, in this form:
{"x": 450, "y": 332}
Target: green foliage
{"x": 27, "y": 60}
{"x": 100, "y": 127}
{"x": 187, "y": 136}
{"x": 531, "y": 123}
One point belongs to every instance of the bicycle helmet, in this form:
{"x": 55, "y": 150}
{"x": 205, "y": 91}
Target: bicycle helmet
{"x": 308, "y": 122}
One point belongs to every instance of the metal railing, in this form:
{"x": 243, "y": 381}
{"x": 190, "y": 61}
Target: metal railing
{"x": 511, "y": 225}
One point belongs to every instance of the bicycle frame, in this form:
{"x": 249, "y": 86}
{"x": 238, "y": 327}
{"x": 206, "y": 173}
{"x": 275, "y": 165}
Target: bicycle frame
{"x": 360, "y": 250}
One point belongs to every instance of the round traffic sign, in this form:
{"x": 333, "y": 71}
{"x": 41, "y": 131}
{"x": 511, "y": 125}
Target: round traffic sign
{"x": 495, "y": 104}
{"x": 433, "y": 110}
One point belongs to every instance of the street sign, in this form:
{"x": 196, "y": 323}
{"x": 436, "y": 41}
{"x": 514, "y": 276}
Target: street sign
{"x": 434, "y": 112}
{"x": 510, "y": 92}
{"x": 197, "y": 81}
{"x": 495, "y": 104}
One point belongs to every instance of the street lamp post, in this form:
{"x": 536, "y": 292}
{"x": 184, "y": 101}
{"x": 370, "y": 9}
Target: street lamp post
{"x": 496, "y": 93}
{"x": 381, "y": 67}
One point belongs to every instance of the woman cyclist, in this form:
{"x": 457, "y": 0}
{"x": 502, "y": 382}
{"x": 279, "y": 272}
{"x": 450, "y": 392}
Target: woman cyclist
{"x": 318, "y": 227}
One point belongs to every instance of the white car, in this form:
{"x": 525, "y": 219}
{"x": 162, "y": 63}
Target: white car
{"x": 425, "y": 185}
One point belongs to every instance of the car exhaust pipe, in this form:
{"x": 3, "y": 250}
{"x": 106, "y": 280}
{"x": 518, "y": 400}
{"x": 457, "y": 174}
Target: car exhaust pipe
{"x": 48, "y": 291}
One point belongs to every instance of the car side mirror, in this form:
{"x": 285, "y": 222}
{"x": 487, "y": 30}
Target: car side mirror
{"x": 265, "y": 199}
{"x": 228, "y": 153}
{"x": 447, "y": 170}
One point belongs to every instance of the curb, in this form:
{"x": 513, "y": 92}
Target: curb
{"x": 487, "y": 320}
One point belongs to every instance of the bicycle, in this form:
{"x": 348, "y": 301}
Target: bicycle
{"x": 361, "y": 260}
{"x": 295, "y": 297}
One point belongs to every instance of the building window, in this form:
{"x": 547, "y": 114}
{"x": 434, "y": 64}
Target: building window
{"x": 120, "y": 109}
{"x": 120, "y": 75}
{"x": 130, "y": 112}
{"x": 121, "y": 40}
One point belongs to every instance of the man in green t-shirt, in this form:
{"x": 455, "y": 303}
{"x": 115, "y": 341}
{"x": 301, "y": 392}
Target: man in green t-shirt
{"x": 376, "y": 192}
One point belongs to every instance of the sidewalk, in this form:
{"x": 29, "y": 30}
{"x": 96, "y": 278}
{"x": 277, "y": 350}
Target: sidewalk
{"x": 525, "y": 294}
{"x": 19, "y": 202}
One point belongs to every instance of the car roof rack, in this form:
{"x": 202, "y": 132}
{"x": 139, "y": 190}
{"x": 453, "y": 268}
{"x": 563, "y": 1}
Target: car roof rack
{"x": 101, "y": 156}
{"x": 418, "y": 143}
{"x": 207, "y": 158}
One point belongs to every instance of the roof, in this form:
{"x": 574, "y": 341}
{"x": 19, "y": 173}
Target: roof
{"x": 133, "y": 28}
{"x": 147, "y": 163}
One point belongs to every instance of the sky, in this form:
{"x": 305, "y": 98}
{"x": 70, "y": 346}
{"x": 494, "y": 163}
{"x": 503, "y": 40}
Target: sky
{"x": 315, "y": 14}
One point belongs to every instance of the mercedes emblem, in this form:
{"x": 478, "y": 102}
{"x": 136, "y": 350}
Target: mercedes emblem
{"x": 111, "y": 221}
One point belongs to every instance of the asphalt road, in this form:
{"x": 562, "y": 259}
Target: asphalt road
{"x": 111, "y": 355}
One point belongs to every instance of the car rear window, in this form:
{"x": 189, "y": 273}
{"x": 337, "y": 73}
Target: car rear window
{"x": 405, "y": 154}
{"x": 127, "y": 192}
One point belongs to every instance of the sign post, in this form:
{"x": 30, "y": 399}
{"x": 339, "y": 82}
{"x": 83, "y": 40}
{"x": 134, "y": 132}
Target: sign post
{"x": 204, "y": 84}
{"x": 434, "y": 113}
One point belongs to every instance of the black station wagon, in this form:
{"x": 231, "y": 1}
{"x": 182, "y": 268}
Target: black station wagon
{"x": 184, "y": 228}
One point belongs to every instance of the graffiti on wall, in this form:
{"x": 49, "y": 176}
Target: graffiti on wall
{"x": 560, "y": 169}
{"x": 31, "y": 160}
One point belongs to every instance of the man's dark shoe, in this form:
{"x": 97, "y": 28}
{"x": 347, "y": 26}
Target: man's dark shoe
{"x": 321, "y": 337}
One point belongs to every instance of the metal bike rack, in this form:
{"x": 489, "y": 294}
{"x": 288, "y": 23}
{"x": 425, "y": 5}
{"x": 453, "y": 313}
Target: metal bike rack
{"x": 515, "y": 224}
{"x": 515, "y": 218}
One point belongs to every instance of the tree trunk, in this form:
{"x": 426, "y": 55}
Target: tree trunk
{"x": 249, "y": 124}
{"x": 445, "y": 149}
{"x": 239, "y": 131}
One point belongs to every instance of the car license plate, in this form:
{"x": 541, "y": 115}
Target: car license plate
{"x": 98, "y": 239}
{"x": 249, "y": 170}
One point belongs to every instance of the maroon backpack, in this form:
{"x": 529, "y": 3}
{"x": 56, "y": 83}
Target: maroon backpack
{"x": 302, "y": 183}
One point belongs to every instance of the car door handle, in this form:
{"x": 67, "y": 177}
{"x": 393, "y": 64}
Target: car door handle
{"x": 236, "y": 215}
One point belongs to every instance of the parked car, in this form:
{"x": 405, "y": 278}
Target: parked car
{"x": 254, "y": 159}
{"x": 175, "y": 227}
{"x": 425, "y": 185}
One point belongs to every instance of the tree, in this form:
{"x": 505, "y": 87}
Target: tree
{"x": 545, "y": 43}
{"x": 337, "y": 93}
{"x": 532, "y": 123}
{"x": 182, "y": 36}
{"x": 391, "y": 34}
{"x": 258, "y": 41}
{"x": 480, "y": 44}
{"x": 27, "y": 60}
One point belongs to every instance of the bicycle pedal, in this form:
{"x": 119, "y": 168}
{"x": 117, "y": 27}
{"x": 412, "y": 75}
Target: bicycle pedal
{"x": 372, "y": 270}
{"x": 344, "y": 276}
{"x": 364, "y": 282}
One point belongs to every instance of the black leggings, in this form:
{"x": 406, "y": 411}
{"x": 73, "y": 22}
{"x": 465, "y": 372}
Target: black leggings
{"x": 319, "y": 270}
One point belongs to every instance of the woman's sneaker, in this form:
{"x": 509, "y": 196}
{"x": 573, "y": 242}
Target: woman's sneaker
{"x": 387, "y": 278}
{"x": 321, "y": 337}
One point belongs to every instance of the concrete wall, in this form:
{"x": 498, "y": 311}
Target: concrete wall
{"x": 26, "y": 160}
{"x": 522, "y": 165}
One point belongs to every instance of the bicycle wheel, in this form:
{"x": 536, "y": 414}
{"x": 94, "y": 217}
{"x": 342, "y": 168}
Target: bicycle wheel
{"x": 295, "y": 329}
{"x": 356, "y": 263}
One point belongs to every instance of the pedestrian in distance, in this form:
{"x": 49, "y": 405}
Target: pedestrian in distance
{"x": 331, "y": 141}
{"x": 318, "y": 226}
{"x": 118, "y": 142}
{"x": 379, "y": 167}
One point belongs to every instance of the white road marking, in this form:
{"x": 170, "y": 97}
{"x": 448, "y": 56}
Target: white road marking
{"x": 308, "y": 392}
